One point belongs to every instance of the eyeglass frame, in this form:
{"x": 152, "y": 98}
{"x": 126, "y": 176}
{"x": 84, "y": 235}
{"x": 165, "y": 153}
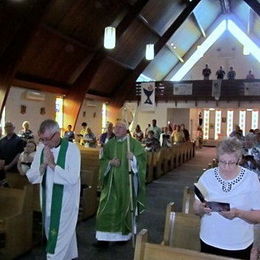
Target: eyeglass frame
{"x": 229, "y": 164}
{"x": 47, "y": 139}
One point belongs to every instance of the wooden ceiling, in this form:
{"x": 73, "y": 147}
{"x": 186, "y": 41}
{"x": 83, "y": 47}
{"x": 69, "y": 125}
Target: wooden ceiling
{"x": 59, "y": 44}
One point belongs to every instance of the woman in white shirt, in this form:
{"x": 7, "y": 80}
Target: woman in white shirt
{"x": 229, "y": 233}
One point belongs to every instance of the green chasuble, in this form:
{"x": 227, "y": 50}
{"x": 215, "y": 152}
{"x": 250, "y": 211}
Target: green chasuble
{"x": 114, "y": 208}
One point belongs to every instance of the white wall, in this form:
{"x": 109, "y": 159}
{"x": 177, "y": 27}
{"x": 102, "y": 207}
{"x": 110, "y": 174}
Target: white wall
{"x": 225, "y": 52}
{"x": 179, "y": 116}
{"x": 91, "y": 113}
{"x": 16, "y": 98}
{"x": 162, "y": 115}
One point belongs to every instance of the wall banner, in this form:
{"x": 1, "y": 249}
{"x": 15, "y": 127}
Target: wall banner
{"x": 148, "y": 96}
{"x": 216, "y": 88}
{"x": 182, "y": 89}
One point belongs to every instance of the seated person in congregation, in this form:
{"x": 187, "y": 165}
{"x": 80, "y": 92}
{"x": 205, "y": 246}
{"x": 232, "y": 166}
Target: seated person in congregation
{"x": 10, "y": 148}
{"x": 82, "y": 133}
{"x": 26, "y": 157}
{"x": 105, "y": 137}
{"x": 69, "y": 134}
{"x": 26, "y": 133}
{"x": 138, "y": 133}
{"x": 90, "y": 139}
{"x": 231, "y": 232}
{"x": 152, "y": 144}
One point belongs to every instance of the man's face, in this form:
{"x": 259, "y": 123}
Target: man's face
{"x": 50, "y": 138}
{"x": 120, "y": 130}
{"x": 9, "y": 129}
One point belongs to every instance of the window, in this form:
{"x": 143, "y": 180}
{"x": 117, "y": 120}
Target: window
{"x": 254, "y": 119}
{"x": 59, "y": 111}
{"x": 242, "y": 121}
{"x": 229, "y": 122}
{"x": 217, "y": 124}
{"x": 206, "y": 125}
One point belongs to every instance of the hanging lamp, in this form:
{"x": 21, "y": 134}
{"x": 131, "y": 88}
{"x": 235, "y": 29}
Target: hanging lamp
{"x": 149, "y": 52}
{"x": 110, "y": 37}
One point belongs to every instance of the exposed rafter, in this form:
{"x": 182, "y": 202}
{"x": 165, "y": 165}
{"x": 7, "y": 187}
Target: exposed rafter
{"x": 76, "y": 94}
{"x": 22, "y": 21}
{"x": 225, "y": 6}
{"x": 197, "y": 22}
{"x": 255, "y": 5}
{"x": 122, "y": 91}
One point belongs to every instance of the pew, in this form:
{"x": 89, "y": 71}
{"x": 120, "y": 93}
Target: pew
{"x": 89, "y": 182}
{"x": 149, "y": 251}
{"x": 149, "y": 167}
{"x": 15, "y": 221}
{"x": 181, "y": 230}
{"x": 188, "y": 200}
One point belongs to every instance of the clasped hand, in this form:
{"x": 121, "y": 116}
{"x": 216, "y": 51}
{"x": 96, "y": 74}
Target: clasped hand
{"x": 115, "y": 162}
{"x": 48, "y": 157}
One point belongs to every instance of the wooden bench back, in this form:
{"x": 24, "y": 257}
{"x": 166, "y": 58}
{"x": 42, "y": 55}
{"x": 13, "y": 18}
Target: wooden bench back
{"x": 15, "y": 201}
{"x": 149, "y": 251}
{"x": 188, "y": 200}
{"x": 181, "y": 230}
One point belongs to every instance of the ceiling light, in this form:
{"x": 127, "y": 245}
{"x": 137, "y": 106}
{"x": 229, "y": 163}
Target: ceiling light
{"x": 149, "y": 52}
{"x": 110, "y": 37}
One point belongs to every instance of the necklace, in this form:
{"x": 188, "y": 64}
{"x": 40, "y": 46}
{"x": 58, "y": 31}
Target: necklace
{"x": 227, "y": 185}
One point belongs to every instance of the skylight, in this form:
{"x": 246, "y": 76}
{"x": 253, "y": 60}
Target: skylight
{"x": 226, "y": 24}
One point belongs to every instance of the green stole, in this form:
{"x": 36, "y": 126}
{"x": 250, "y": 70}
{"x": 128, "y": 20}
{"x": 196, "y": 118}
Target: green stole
{"x": 56, "y": 201}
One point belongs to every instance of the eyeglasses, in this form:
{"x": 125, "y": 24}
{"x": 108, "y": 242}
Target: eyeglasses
{"x": 47, "y": 139}
{"x": 229, "y": 164}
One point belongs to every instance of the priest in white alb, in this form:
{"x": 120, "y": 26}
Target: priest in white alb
{"x": 56, "y": 167}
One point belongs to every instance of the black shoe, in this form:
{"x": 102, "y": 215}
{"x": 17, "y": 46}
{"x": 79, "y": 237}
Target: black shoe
{"x": 101, "y": 244}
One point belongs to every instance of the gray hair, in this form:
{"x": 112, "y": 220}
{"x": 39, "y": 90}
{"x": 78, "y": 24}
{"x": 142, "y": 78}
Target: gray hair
{"x": 229, "y": 146}
{"x": 50, "y": 125}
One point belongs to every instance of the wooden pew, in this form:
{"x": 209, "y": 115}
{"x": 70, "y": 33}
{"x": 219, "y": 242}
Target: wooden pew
{"x": 187, "y": 201}
{"x": 89, "y": 182}
{"x": 181, "y": 230}
{"x": 149, "y": 167}
{"x": 149, "y": 251}
{"x": 15, "y": 221}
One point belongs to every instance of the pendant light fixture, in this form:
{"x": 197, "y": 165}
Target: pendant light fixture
{"x": 110, "y": 37}
{"x": 149, "y": 52}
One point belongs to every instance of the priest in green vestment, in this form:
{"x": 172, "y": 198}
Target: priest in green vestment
{"x": 114, "y": 215}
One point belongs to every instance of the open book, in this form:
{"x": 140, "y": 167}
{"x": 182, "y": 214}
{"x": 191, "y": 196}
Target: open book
{"x": 201, "y": 192}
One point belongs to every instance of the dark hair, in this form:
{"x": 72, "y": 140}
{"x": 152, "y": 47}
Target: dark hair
{"x": 84, "y": 124}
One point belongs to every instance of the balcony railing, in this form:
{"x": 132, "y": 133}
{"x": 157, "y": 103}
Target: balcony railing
{"x": 231, "y": 90}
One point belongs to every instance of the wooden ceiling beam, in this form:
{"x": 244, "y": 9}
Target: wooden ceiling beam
{"x": 75, "y": 97}
{"x": 22, "y": 20}
{"x": 147, "y": 25}
{"x": 65, "y": 37}
{"x": 198, "y": 24}
{"x": 121, "y": 93}
{"x": 255, "y": 5}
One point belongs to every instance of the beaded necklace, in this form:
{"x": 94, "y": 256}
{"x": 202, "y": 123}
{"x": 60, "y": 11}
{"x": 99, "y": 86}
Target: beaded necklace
{"x": 227, "y": 185}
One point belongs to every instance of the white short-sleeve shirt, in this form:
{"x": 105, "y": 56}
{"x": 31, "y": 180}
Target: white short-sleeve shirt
{"x": 242, "y": 192}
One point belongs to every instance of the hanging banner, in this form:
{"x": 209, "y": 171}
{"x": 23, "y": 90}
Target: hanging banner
{"x": 216, "y": 88}
{"x": 252, "y": 88}
{"x": 182, "y": 89}
{"x": 148, "y": 96}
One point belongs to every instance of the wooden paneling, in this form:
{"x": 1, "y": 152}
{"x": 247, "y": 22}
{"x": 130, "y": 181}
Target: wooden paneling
{"x": 131, "y": 46}
{"x": 164, "y": 61}
{"x": 161, "y": 14}
{"x": 108, "y": 75}
{"x": 51, "y": 57}
{"x": 85, "y": 20}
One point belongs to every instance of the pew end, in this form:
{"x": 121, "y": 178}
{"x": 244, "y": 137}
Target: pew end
{"x": 188, "y": 200}
{"x": 181, "y": 230}
{"x": 15, "y": 221}
{"x": 149, "y": 251}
